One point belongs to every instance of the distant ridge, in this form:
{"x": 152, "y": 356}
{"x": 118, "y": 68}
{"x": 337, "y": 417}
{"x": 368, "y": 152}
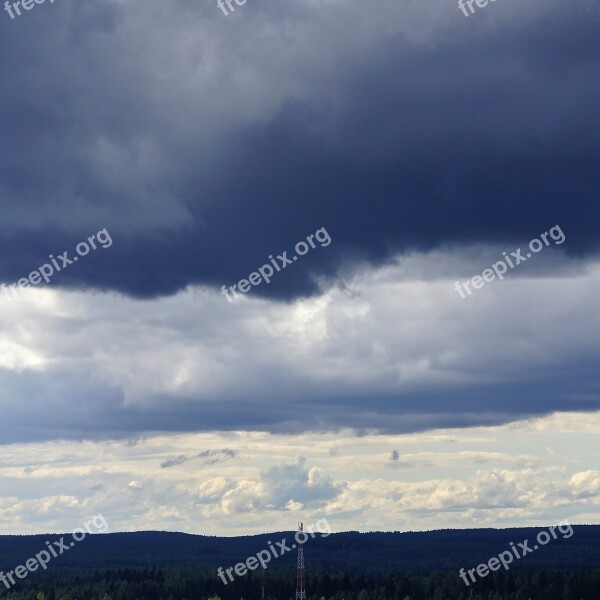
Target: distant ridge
{"x": 361, "y": 552}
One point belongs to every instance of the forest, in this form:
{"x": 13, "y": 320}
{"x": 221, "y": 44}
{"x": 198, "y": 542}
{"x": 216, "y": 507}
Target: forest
{"x": 199, "y": 584}
{"x": 341, "y": 566}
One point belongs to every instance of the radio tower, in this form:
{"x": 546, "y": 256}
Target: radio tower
{"x": 300, "y": 589}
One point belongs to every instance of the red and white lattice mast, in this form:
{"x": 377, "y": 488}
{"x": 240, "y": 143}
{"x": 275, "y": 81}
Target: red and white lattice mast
{"x": 300, "y": 579}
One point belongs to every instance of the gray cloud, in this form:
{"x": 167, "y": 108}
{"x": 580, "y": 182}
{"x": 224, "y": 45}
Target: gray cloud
{"x": 82, "y": 365}
{"x": 293, "y": 482}
{"x": 208, "y": 457}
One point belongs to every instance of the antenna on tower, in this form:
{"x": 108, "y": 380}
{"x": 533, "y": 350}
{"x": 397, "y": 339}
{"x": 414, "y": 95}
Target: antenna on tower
{"x": 300, "y": 575}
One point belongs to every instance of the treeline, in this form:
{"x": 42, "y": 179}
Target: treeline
{"x": 352, "y": 552}
{"x": 200, "y": 584}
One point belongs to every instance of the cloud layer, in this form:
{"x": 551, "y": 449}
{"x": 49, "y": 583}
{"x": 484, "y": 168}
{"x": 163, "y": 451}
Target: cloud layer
{"x": 385, "y": 352}
{"x": 535, "y": 472}
{"x": 204, "y": 143}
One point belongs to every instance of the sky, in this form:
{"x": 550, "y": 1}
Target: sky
{"x": 362, "y": 158}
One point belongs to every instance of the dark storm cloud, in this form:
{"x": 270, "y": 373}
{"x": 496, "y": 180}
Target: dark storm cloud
{"x": 482, "y": 133}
